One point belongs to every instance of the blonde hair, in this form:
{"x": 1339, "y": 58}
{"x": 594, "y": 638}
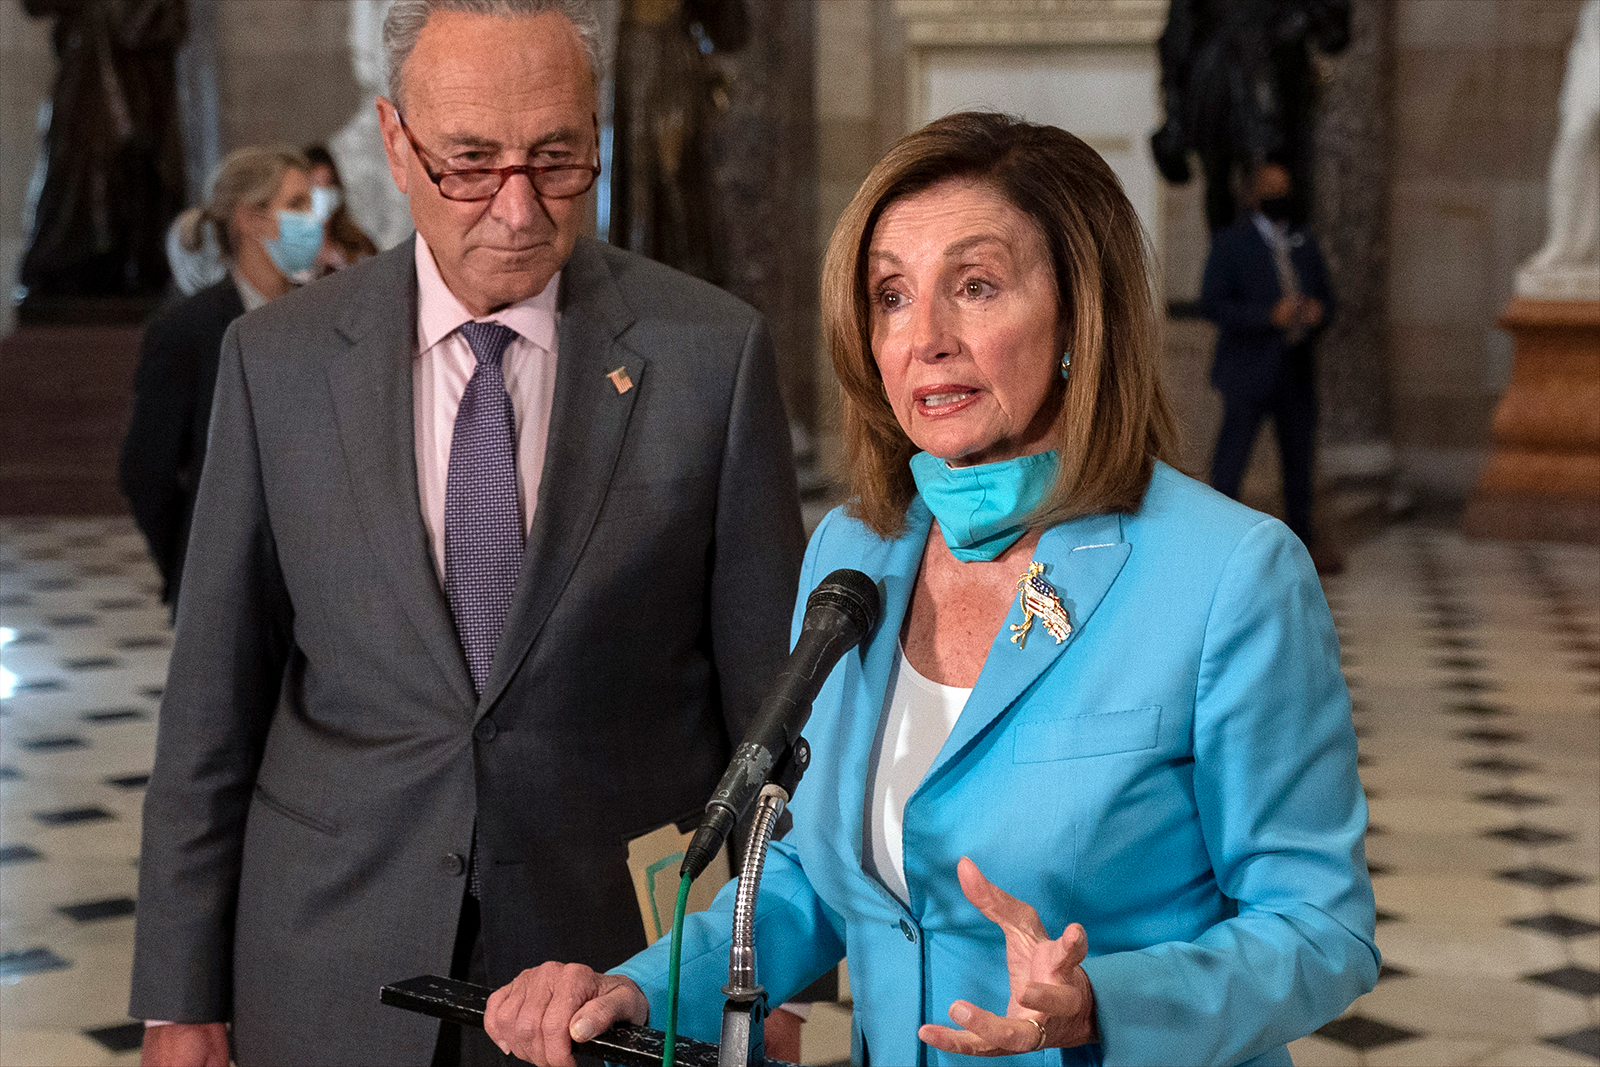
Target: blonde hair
{"x": 247, "y": 177}
{"x": 1113, "y": 420}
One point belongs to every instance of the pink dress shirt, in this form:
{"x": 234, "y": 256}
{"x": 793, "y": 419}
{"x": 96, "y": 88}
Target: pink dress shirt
{"x": 439, "y": 378}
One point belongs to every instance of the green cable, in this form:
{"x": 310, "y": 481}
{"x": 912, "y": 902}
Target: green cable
{"x": 670, "y": 1053}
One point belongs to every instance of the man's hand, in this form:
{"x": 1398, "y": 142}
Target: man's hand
{"x": 1285, "y": 312}
{"x": 1310, "y": 311}
{"x": 185, "y": 1045}
{"x": 1052, "y": 1003}
{"x": 546, "y": 1008}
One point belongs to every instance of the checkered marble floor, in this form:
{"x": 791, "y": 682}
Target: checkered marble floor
{"x": 1475, "y": 672}
{"x": 1475, "y": 669}
{"x": 81, "y": 670}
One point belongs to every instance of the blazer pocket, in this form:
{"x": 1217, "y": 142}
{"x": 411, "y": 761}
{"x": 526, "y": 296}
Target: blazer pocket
{"x": 1096, "y": 734}
{"x": 322, "y": 826}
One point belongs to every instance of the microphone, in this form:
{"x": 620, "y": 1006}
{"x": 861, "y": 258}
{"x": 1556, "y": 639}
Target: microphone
{"x": 840, "y": 613}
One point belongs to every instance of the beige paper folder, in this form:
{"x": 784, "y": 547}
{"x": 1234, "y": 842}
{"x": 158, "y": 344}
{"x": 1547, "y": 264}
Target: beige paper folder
{"x": 653, "y": 860}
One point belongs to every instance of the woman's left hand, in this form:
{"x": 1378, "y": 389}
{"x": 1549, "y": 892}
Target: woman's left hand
{"x": 1051, "y": 1005}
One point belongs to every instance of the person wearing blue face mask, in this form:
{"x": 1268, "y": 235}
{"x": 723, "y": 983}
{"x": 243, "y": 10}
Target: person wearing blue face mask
{"x": 344, "y": 242}
{"x": 325, "y": 200}
{"x": 1088, "y": 794}
{"x": 294, "y": 251}
{"x": 259, "y": 217}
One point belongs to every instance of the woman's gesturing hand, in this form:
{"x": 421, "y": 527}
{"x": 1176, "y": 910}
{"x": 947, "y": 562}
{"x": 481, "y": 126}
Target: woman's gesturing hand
{"x": 546, "y": 1008}
{"x": 1051, "y": 1005}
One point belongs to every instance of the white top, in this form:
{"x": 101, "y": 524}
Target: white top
{"x": 918, "y": 715}
{"x": 439, "y": 378}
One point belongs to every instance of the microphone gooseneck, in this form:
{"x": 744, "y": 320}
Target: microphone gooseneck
{"x": 840, "y": 613}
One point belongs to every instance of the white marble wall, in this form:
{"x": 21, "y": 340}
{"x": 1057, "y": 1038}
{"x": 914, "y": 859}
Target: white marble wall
{"x": 1107, "y": 94}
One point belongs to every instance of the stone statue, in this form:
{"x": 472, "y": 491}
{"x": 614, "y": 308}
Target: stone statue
{"x": 113, "y": 167}
{"x": 666, "y": 97}
{"x": 1237, "y": 78}
{"x": 376, "y": 205}
{"x": 1568, "y": 266}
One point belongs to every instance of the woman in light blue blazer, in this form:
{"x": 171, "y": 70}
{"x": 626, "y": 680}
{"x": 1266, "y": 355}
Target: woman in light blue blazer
{"x": 1089, "y": 792}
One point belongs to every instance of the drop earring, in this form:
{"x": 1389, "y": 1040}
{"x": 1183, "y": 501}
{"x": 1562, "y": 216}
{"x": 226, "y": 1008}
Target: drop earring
{"x": 1066, "y": 365}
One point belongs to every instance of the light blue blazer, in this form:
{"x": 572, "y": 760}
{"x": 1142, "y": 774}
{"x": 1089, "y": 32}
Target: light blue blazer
{"x": 1179, "y": 776}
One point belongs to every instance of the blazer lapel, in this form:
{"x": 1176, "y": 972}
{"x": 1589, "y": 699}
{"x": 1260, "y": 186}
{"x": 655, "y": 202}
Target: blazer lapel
{"x": 1082, "y": 558}
{"x": 896, "y": 572}
{"x": 372, "y": 401}
{"x": 588, "y": 423}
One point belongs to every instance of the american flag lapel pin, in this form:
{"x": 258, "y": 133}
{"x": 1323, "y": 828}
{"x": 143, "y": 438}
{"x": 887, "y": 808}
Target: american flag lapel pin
{"x": 620, "y": 379}
{"x": 1039, "y": 601}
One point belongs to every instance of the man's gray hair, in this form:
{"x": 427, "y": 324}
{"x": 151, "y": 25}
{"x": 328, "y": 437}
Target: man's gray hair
{"x": 406, "y": 18}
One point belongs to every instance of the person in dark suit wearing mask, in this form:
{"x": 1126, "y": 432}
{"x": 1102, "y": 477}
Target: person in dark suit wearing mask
{"x": 259, "y": 217}
{"x": 1266, "y": 288}
{"x": 490, "y": 568}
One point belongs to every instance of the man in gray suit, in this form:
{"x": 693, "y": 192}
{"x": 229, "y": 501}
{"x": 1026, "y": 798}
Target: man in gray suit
{"x": 494, "y": 552}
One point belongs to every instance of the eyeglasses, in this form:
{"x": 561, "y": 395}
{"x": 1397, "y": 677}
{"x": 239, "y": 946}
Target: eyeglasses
{"x": 560, "y": 182}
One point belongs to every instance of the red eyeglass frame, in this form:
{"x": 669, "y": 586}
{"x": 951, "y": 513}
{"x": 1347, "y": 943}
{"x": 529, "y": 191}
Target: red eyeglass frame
{"x": 503, "y": 173}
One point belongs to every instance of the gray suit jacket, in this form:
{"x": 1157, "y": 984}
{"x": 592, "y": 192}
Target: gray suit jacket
{"x": 321, "y": 757}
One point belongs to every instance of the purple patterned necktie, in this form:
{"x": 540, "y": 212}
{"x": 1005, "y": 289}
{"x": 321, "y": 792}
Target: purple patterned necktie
{"x": 482, "y": 522}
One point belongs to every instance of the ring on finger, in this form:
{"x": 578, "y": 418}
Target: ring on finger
{"x": 1037, "y": 1026}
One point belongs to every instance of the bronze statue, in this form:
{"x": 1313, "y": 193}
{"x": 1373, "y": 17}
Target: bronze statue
{"x": 113, "y": 157}
{"x": 667, "y": 96}
{"x": 1237, "y": 78}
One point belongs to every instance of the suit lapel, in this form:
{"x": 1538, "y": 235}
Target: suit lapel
{"x": 372, "y": 401}
{"x": 1266, "y": 259}
{"x": 1082, "y": 558}
{"x": 588, "y": 423}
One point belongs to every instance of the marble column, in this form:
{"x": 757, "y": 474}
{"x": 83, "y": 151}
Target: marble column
{"x": 1351, "y": 220}
{"x": 199, "y": 100}
{"x": 764, "y": 166}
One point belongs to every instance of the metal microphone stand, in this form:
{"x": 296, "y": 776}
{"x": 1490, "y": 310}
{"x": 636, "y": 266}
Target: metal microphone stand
{"x": 744, "y": 1014}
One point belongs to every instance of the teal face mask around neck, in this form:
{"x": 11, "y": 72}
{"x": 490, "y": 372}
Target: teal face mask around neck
{"x": 982, "y": 509}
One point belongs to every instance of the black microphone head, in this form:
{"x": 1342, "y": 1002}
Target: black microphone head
{"x": 853, "y": 594}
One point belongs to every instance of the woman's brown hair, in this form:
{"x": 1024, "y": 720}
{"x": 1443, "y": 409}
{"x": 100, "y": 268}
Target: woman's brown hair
{"x": 1113, "y": 421}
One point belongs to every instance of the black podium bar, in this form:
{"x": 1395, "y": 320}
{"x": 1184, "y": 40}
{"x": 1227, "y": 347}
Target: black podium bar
{"x": 625, "y": 1044}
